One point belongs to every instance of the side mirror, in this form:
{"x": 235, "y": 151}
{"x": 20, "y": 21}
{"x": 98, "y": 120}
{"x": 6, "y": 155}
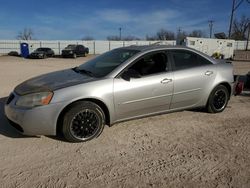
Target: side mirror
{"x": 130, "y": 73}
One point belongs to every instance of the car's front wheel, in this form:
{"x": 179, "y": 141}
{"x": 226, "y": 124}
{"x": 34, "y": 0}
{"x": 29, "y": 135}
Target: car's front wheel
{"x": 218, "y": 99}
{"x": 83, "y": 121}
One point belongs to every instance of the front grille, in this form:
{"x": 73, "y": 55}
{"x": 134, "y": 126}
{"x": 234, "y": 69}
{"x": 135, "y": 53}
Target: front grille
{"x": 11, "y": 97}
{"x": 16, "y": 126}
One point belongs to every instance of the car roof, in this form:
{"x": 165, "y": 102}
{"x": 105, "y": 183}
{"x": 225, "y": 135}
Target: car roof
{"x": 153, "y": 47}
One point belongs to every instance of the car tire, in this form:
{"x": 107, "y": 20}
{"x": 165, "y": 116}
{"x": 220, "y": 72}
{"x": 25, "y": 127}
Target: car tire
{"x": 218, "y": 99}
{"x": 83, "y": 121}
{"x": 74, "y": 56}
{"x": 44, "y": 56}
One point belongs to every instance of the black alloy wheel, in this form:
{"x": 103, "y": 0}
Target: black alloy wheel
{"x": 83, "y": 121}
{"x": 218, "y": 99}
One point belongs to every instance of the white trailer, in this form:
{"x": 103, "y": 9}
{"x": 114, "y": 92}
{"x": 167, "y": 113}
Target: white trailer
{"x": 212, "y": 46}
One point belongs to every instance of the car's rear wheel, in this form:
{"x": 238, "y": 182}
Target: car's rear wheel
{"x": 74, "y": 55}
{"x": 83, "y": 121}
{"x": 218, "y": 99}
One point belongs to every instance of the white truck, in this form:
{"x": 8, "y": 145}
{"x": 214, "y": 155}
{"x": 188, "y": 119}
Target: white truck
{"x": 212, "y": 47}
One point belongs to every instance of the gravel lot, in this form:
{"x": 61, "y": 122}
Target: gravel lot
{"x": 182, "y": 149}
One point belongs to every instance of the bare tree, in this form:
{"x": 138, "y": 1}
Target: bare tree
{"x": 26, "y": 34}
{"x": 163, "y": 34}
{"x": 113, "y": 37}
{"x": 197, "y": 33}
{"x": 148, "y": 37}
{"x": 181, "y": 36}
{"x": 88, "y": 38}
{"x": 240, "y": 28}
{"x": 130, "y": 38}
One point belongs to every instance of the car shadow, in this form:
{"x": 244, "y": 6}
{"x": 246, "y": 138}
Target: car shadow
{"x": 5, "y": 128}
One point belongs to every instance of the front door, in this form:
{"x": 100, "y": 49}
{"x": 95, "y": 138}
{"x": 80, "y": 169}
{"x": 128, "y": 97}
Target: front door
{"x": 150, "y": 93}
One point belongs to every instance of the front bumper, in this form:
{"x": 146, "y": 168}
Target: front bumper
{"x": 35, "y": 121}
{"x": 36, "y": 56}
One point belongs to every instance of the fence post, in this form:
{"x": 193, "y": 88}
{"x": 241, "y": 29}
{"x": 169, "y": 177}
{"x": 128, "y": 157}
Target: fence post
{"x": 40, "y": 44}
{"x": 109, "y": 45}
{"x": 248, "y": 36}
{"x": 123, "y": 43}
{"x": 94, "y": 47}
{"x": 59, "y": 48}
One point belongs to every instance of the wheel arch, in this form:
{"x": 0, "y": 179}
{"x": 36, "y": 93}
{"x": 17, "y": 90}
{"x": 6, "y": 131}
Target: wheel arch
{"x": 225, "y": 84}
{"x": 100, "y": 103}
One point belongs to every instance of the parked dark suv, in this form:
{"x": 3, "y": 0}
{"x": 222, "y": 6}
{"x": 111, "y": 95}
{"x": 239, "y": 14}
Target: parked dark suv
{"x": 42, "y": 53}
{"x": 75, "y": 51}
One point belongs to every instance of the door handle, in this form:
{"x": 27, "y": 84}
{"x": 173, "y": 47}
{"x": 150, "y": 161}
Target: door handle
{"x": 166, "y": 80}
{"x": 208, "y": 73}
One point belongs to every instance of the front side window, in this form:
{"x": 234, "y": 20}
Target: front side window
{"x": 151, "y": 64}
{"x": 184, "y": 59}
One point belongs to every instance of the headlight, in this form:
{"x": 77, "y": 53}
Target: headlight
{"x": 35, "y": 99}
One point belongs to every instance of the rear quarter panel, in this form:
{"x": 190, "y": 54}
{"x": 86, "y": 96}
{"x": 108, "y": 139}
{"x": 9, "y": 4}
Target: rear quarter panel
{"x": 224, "y": 75}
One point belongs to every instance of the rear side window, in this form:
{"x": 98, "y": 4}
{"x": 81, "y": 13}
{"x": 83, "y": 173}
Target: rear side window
{"x": 184, "y": 59}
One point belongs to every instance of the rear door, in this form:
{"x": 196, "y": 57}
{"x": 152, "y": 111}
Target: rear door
{"x": 150, "y": 93}
{"x": 193, "y": 76}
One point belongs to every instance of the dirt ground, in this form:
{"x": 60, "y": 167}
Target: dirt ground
{"x": 182, "y": 149}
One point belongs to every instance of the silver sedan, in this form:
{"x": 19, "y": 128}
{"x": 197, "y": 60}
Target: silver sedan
{"x": 125, "y": 83}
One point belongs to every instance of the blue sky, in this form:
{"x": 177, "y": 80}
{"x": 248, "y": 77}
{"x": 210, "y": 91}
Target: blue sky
{"x": 75, "y": 19}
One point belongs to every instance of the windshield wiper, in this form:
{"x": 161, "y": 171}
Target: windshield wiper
{"x": 76, "y": 69}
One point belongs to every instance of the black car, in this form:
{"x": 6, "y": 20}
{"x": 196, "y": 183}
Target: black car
{"x": 42, "y": 53}
{"x": 74, "y": 51}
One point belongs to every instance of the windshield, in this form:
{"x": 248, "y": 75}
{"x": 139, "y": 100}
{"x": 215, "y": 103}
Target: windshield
{"x": 70, "y": 47}
{"x": 107, "y": 62}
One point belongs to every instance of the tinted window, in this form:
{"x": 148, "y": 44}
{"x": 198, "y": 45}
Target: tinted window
{"x": 151, "y": 64}
{"x": 70, "y": 47}
{"x": 184, "y": 59}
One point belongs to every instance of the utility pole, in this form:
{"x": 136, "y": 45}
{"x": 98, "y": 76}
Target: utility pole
{"x": 210, "y": 22}
{"x": 120, "y": 33}
{"x": 178, "y": 36}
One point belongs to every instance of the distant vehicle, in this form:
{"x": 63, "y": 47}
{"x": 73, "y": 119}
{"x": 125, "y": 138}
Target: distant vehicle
{"x": 74, "y": 51}
{"x": 42, "y": 53}
{"x": 13, "y": 53}
{"x": 119, "y": 85}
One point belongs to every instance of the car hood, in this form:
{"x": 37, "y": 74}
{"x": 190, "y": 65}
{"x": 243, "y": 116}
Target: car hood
{"x": 52, "y": 81}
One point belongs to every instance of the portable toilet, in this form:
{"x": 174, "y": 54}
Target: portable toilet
{"x": 24, "y": 49}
